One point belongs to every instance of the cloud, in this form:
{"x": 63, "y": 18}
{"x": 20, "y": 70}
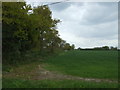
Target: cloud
{"x": 60, "y": 6}
{"x": 98, "y": 13}
{"x": 88, "y": 24}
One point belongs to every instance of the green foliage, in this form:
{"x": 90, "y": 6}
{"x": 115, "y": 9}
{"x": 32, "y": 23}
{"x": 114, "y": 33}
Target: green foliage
{"x": 24, "y": 31}
{"x": 14, "y": 16}
{"x": 105, "y": 47}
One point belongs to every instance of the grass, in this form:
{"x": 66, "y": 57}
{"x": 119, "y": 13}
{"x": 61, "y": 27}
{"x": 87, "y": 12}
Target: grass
{"x": 93, "y": 64}
{"x": 22, "y": 83}
{"x": 87, "y": 64}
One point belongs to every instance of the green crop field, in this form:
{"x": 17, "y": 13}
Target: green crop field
{"x": 95, "y": 64}
{"x": 68, "y": 66}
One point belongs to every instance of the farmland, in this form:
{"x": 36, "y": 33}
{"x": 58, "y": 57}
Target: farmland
{"x": 63, "y": 48}
{"x": 74, "y": 69}
{"x": 97, "y": 64}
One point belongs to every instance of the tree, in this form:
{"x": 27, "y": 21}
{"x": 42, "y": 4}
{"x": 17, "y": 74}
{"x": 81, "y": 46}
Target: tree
{"x": 35, "y": 31}
{"x": 105, "y": 47}
{"x": 113, "y": 48}
{"x": 73, "y": 47}
{"x": 67, "y": 46}
{"x": 46, "y": 27}
{"x": 14, "y": 33}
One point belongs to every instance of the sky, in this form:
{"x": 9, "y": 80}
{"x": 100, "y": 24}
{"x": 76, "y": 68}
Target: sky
{"x": 86, "y": 24}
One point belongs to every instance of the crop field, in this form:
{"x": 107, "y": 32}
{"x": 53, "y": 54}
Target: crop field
{"x": 42, "y": 47}
{"x": 95, "y": 64}
{"x": 71, "y": 69}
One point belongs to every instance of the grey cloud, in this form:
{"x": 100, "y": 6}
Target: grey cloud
{"x": 97, "y": 13}
{"x": 107, "y": 30}
{"x": 106, "y": 4}
{"x": 87, "y": 24}
{"x": 60, "y": 6}
{"x": 92, "y": 13}
{"x": 64, "y": 5}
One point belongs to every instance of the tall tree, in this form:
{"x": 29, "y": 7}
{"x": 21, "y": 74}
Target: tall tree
{"x": 23, "y": 31}
{"x": 14, "y": 16}
{"x": 46, "y": 26}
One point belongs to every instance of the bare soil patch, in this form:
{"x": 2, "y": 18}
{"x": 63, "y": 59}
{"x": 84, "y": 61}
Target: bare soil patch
{"x": 39, "y": 73}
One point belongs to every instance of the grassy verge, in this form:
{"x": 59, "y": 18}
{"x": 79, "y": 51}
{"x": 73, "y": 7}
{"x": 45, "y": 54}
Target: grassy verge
{"x": 21, "y": 83}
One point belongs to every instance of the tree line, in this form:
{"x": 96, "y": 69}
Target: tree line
{"x": 29, "y": 29}
{"x": 100, "y": 48}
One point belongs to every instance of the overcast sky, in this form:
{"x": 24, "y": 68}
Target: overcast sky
{"x": 87, "y": 24}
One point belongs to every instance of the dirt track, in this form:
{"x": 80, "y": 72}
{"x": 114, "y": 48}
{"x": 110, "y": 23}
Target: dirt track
{"x": 40, "y": 73}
